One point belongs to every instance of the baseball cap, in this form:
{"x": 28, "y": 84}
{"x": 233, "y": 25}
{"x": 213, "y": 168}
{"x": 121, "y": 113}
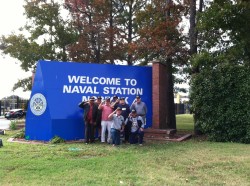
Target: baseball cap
{"x": 92, "y": 98}
{"x": 133, "y": 111}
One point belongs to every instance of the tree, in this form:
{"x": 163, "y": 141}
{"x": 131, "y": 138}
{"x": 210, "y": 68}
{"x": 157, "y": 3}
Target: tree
{"x": 100, "y": 38}
{"x": 224, "y": 28}
{"x": 129, "y": 27}
{"x": 106, "y": 28}
{"x": 89, "y": 21}
{"x": 161, "y": 39}
{"x": 193, "y": 32}
{"x": 114, "y": 7}
{"x": 48, "y": 38}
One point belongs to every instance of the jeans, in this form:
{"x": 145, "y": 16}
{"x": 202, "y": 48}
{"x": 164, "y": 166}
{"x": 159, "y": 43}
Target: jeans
{"x": 115, "y": 135}
{"x": 106, "y": 125}
{"x": 133, "y": 139}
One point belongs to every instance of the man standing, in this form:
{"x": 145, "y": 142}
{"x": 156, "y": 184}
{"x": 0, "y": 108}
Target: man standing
{"x": 114, "y": 101}
{"x": 99, "y": 117}
{"x": 125, "y": 112}
{"x": 136, "y": 125}
{"x": 90, "y": 114}
{"x": 140, "y": 108}
{"x": 107, "y": 109}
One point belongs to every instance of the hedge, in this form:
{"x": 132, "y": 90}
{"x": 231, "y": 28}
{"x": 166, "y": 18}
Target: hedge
{"x": 220, "y": 99}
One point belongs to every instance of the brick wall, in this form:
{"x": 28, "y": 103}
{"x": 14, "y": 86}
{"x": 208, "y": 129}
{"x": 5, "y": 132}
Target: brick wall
{"x": 159, "y": 95}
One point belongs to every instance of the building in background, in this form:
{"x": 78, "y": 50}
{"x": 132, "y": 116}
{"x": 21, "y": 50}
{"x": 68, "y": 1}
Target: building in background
{"x": 12, "y": 102}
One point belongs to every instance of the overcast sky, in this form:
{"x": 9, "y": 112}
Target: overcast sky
{"x": 11, "y": 18}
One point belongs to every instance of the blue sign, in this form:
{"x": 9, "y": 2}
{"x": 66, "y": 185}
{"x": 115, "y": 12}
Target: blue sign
{"x": 59, "y": 87}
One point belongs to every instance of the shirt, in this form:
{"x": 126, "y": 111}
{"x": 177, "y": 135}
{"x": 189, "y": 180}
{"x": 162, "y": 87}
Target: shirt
{"x": 106, "y": 111}
{"x": 141, "y": 108}
{"x": 134, "y": 121}
{"x": 125, "y": 110}
{"x": 117, "y": 122}
{"x": 89, "y": 115}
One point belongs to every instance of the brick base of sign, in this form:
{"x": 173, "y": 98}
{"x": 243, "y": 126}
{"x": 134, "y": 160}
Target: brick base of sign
{"x": 164, "y": 135}
{"x": 159, "y": 95}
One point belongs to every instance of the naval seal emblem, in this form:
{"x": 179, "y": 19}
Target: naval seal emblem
{"x": 38, "y": 104}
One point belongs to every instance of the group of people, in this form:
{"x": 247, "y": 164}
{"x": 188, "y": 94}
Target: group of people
{"x": 114, "y": 117}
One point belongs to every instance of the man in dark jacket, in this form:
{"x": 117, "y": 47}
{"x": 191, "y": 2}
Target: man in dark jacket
{"x": 99, "y": 117}
{"x": 136, "y": 125}
{"x": 89, "y": 116}
{"x": 125, "y": 112}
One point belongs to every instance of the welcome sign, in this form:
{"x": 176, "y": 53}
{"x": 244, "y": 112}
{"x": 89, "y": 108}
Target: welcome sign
{"x": 59, "y": 87}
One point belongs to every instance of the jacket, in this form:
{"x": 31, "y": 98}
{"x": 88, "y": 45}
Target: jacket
{"x": 85, "y": 105}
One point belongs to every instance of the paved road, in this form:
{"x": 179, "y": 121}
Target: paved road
{"x": 4, "y": 123}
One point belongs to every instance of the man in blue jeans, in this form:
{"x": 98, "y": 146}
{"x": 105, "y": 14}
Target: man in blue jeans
{"x": 136, "y": 125}
{"x": 125, "y": 112}
{"x": 116, "y": 126}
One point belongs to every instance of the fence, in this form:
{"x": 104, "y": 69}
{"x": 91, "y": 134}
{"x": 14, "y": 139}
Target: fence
{"x": 181, "y": 108}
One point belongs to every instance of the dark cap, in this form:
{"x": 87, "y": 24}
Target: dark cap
{"x": 107, "y": 98}
{"x": 115, "y": 96}
{"x": 119, "y": 108}
{"x": 99, "y": 97}
{"x": 133, "y": 111}
{"x": 92, "y": 98}
{"x": 122, "y": 98}
{"x": 138, "y": 97}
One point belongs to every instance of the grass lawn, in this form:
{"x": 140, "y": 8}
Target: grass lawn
{"x": 185, "y": 122}
{"x": 193, "y": 162}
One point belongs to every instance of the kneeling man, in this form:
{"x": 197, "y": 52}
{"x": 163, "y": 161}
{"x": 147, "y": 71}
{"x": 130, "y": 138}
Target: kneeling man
{"x": 136, "y": 125}
{"x": 116, "y": 126}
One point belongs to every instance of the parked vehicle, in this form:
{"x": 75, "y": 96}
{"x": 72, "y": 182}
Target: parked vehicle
{"x": 15, "y": 113}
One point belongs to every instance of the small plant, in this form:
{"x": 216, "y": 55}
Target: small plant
{"x": 57, "y": 139}
{"x": 20, "y": 134}
{"x": 13, "y": 125}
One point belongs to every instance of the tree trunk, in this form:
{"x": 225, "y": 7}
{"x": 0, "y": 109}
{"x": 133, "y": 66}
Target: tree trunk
{"x": 130, "y": 28}
{"x": 111, "y": 35}
{"x": 170, "y": 107}
{"x": 192, "y": 31}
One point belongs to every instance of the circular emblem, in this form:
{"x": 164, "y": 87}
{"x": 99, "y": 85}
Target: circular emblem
{"x": 38, "y": 104}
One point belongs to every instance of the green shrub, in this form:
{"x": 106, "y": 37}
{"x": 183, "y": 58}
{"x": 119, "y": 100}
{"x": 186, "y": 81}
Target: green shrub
{"x": 20, "y": 134}
{"x": 220, "y": 99}
{"x": 57, "y": 139}
{"x": 13, "y": 125}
